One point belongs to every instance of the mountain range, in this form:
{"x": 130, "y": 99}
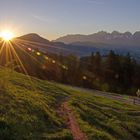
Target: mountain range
{"x": 83, "y": 45}
{"x": 114, "y": 38}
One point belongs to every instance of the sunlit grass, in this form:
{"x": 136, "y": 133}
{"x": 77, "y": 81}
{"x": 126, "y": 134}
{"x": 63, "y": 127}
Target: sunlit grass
{"x": 33, "y": 115}
{"x": 102, "y": 118}
{"x": 27, "y": 114}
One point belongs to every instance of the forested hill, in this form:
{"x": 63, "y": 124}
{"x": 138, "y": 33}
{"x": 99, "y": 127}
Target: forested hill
{"x": 111, "y": 72}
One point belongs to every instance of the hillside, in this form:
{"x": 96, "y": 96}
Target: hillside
{"x": 34, "y": 37}
{"x": 83, "y": 45}
{"x": 28, "y": 109}
{"x": 33, "y": 109}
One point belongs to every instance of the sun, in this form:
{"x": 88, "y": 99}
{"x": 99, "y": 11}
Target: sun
{"x": 6, "y": 35}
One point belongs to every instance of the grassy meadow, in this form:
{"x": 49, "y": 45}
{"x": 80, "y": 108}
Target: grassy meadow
{"x": 28, "y": 111}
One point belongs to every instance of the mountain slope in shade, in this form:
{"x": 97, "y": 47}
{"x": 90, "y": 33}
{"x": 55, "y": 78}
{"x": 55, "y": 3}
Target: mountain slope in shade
{"x": 34, "y": 37}
{"x": 85, "y": 48}
{"x": 35, "y": 41}
{"x": 114, "y": 38}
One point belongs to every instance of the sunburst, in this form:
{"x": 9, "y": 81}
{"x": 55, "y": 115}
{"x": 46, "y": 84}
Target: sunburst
{"x": 6, "y": 35}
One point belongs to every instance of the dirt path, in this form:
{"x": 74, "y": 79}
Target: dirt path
{"x": 71, "y": 122}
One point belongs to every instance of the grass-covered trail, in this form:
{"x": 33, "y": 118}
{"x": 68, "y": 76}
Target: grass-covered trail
{"x": 66, "y": 112}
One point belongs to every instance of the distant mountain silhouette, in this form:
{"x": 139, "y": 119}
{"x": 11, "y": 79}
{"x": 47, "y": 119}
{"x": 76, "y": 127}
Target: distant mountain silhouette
{"x": 45, "y": 45}
{"x": 82, "y": 45}
{"x": 114, "y": 38}
{"x": 34, "y": 37}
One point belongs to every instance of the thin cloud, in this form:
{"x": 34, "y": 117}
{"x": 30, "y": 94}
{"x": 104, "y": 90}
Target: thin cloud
{"x": 42, "y": 19}
{"x": 98, "y": 2}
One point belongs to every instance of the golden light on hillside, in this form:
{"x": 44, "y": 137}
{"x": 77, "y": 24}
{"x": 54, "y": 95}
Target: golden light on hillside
{"x": 6, "y": 35}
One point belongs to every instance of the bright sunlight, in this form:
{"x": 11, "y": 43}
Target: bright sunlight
{"x": 6, "y": 35}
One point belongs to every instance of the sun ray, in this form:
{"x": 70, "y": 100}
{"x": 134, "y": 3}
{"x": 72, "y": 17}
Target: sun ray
{"x": 28, "y": 53}
{"x": 49, "y": 46}
{"x": 14, "y": 60}
{"x": 24, "y": 69}
{"x": 33, "y": 56}
{"x": 35, "y": 45}
{"x": 16, "y": 55}
{"x": 52, "y": 60}
{"x": 7, "y": 53}
{"x": 10, "y": 57}
{"x": 1, "y": 52}
{"x": 2, "y": 46}
{"x": 27, "y": 45}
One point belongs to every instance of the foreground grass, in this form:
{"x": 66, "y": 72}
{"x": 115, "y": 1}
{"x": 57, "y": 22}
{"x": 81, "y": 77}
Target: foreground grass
{"x": 28, "y": 111}
{"x": 105, "y": 119}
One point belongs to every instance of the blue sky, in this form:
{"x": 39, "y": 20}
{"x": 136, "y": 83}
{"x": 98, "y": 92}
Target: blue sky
{"x": 55, "y": 18}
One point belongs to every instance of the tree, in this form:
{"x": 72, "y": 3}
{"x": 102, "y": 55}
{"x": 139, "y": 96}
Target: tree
{"x": 96, "y": 62}
{"x": 112, "y": 70}
{"x": 73, "y": 72}
{"x": 128, "y": 71}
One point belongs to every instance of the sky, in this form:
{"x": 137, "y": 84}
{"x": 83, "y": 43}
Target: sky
{"x": 54, "y": 18}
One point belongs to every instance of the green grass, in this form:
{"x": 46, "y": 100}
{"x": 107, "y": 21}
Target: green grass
{"x": 105, "y": 119}
{"x": 28, "y": 111}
